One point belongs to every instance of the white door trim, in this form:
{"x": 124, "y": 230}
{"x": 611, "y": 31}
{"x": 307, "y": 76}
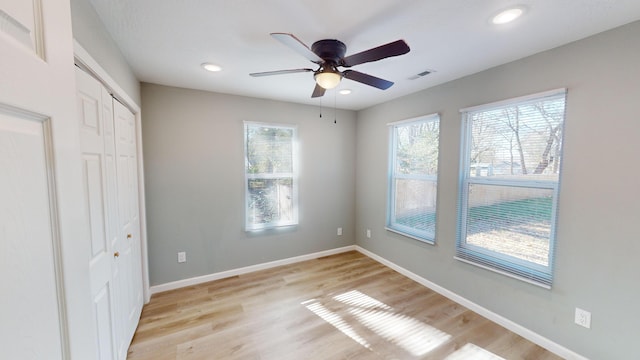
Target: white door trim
{"x": 86, "y": 62}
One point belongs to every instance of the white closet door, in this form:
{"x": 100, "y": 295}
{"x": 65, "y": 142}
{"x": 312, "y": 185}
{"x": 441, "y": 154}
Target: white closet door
{"x": 95, "y": 116}
{"x": 110, "y": 185}
{"x": 130, "y": 247}
{"x": 45, "y": 310}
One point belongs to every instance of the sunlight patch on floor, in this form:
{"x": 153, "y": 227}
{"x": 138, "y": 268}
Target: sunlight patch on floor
{"x": 338, "y": 322}
{"x": 412, "y": 335}
{"x": 473, "y": 352}
{"x": 356, "y": 298}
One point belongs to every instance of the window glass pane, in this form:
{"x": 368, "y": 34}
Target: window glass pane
{"x": 270, "y": 201}
{"x": 269, "y": 150}
{"x": 271, "y": 185}
{"x": 509, "y": 185}
{"x": 415, "y": 205}
{"x": 521, "y": 140}
{"x": 514, "y": 221}
{"x": 417, "y": 148}
{"x": 413, "y": 174}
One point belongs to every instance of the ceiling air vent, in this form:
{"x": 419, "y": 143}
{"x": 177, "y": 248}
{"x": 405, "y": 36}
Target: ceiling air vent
{"x": 419, "y": 75}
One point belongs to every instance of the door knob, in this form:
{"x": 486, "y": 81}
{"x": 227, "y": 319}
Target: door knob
{"x": 116, "y": 254}
{"x": 128, "y": 236}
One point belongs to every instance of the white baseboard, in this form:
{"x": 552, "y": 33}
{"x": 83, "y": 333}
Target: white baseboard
{"x": 498, "y": 319}
{"x": 244, "y": 270}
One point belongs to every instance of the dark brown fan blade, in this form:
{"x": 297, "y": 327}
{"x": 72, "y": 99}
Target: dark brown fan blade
{"x": 367, "y": 79}
{"x": 298, "y": 46}
{"x": 279, "y": 72}
{"x": 318, "y": 91}
{"x": 395, "y": 48}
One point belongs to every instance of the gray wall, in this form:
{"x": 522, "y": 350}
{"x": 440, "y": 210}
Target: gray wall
{"x": 89, "y": 31}
{"x": 194, "y": 176}
{"x": 194, "y": 173}
{"x": 599, "y": 207}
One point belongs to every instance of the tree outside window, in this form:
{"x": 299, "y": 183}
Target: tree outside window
{"x": 270, "y": 176}
{"x": 509, "y": 185}
{"x": 413, "y": 172}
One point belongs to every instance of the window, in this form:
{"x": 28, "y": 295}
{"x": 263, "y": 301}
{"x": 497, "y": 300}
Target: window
{"x": 509, "y": 185}
{"x": 270, "y": 176}
{"x": 413, "y": 177}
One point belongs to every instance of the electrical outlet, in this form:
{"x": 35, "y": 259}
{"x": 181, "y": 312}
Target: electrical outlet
{"x": 369, "y": 233}
{"x": 583, "y": 318}
{"x": 339, "y": 231}
{"x": 182, "y": 257}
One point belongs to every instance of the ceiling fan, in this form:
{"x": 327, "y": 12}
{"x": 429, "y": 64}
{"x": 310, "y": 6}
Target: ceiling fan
{"x": 329, "y": 54}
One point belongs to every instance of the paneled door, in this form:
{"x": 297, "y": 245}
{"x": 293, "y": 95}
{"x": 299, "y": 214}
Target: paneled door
{"x": 129, "y": 265}
{"x": 45, "y": 310}
{"x": 97, "y": 144}
{"x": 110, "y": 183}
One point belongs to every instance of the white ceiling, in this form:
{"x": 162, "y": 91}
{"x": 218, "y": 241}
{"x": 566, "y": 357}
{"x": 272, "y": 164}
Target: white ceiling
{"x": 165, "y": 41}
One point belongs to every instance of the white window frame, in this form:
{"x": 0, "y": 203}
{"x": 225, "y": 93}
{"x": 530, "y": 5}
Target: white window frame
{"x": 391, "y": 223}
{"x": 270, "y": 176}
{"x": 524, "y": 270}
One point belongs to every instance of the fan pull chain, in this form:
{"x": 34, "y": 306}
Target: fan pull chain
{"x": 320, "y": 107}
{"x": 335, "y": 111}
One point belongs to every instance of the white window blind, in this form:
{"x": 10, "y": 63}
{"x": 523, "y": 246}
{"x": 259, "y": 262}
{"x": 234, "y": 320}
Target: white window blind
{"x": 509, "y": 185}
{"x": 413, "y": 173}
{"x": 270, "y": 176}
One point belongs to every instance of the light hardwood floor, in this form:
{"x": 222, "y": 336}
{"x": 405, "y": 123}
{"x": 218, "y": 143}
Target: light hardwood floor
{"x": 344, "y": 306}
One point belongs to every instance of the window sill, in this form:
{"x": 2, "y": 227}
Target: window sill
{"x": 505, "y": 273}
{"x": 426, "y": 241}
{"x": 272, "y": 229}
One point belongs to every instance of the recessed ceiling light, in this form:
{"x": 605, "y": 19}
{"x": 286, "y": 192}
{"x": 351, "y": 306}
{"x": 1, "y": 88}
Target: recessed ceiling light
{"x": 345, "y": 91}
{"x": 507, "y": 16}
{"x": 211, "y": 67}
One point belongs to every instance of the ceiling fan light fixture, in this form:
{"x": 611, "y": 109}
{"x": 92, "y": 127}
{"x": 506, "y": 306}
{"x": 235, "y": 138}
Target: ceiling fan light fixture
{"x": 507, "y": 16}
{"x": 328, "y": 54}
{"x": 328, "y": 78}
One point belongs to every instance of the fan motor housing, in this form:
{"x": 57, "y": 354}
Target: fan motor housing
{"x": 329, "y": 50}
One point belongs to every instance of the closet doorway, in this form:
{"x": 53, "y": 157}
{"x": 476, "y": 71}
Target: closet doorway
{"x": 111, "y": 189}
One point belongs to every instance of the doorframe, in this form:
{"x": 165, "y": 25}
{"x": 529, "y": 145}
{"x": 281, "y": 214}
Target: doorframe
{"x": 87, "y": 63}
